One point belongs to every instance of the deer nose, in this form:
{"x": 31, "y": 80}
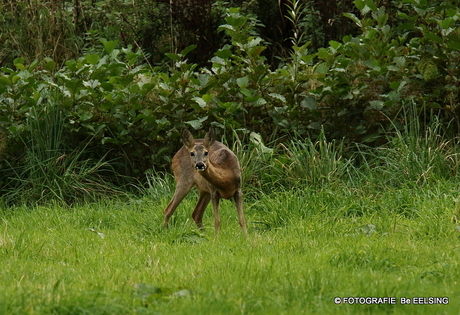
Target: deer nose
{"x": 200, "y": 166}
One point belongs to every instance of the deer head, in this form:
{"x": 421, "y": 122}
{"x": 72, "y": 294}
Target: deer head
{"x": 199, "y": 149}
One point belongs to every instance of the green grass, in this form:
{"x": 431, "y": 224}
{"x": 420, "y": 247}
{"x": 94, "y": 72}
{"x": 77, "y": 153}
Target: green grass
{"x": 50, "y": 171}
{"x": 381, "y": 223}
{"x": 305, "y": 248}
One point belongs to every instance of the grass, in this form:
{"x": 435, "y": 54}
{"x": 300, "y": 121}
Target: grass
{"x": 49, "y": 170}
{"x": 381, "y": 224}
{"x": 304, "y": 249}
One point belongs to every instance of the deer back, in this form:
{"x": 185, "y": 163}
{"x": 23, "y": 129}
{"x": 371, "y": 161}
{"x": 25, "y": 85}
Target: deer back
{"x": 223, "y": 171}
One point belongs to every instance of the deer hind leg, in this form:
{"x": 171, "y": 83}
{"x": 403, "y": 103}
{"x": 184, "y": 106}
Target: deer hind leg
{"x": 200, "y": 207}
{"x": 239, "y": 208}
{"x": 215, "y": 198}
{"x": 179, "y": 194}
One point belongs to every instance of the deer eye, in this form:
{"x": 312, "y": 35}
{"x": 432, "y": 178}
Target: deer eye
{"x": 192, "y": 153}
{"x": 206, "y": 153}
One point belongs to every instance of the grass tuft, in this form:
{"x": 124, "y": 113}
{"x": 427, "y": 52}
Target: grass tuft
{"x": 49, "y": 172}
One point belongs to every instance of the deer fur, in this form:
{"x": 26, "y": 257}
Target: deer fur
{"x": 211, "y": 167}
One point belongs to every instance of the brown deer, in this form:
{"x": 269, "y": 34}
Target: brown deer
{"x": 214, "y": 169}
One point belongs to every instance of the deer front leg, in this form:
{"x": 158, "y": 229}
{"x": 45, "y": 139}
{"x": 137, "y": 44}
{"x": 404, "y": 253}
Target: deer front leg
{"x": 181, "y": 191}
{"x": 200, "y": 207}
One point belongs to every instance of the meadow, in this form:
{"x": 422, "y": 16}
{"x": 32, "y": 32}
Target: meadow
{"x": 352, "y": 206}
{"x": 307, "y": 246}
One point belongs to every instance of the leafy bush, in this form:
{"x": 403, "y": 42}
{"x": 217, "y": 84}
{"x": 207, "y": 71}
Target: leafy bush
{"x": 352, "y": 91}
{"x": 368, "y": 79}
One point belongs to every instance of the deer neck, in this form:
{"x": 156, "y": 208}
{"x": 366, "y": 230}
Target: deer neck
{"x": 224, "y": 180}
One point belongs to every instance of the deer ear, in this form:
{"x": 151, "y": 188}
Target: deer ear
{"x": 187, "y": 138}
{"x": 209, "y": 138}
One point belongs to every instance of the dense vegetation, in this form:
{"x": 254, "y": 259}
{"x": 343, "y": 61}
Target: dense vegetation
{"x": 344, "y": 117}
{"x": 106, "y": 116}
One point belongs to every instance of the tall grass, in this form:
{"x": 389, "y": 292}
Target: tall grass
{"x": 49, "y": 171}
{"x": 312, "y": 163}
{"x": 39, "y": 29}
{"x": 414, "y": 155}
{"x": 283, "y": 165}
{"x": 256, "y": 161}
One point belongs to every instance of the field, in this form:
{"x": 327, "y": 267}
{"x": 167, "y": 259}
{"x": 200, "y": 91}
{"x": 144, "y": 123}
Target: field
{"x": 347, "y": 134}
{"x": 306, "y": 247}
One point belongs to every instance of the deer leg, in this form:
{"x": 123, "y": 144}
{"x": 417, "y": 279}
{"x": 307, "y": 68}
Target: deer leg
{"x": 239, "y": 208}
{"x": 215, "y": 198}
{"x": 179, "y": 194}
{"x": 200, "y": 207}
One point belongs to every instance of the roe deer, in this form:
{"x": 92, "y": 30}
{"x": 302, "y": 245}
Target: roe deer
{"x": 214, "y": 169}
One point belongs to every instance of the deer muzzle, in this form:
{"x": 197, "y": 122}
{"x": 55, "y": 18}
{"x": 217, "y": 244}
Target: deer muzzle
{"x": 200, "y": 166}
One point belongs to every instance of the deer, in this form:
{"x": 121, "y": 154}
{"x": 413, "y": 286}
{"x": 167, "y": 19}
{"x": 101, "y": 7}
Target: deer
{"x": 214, "y": 170}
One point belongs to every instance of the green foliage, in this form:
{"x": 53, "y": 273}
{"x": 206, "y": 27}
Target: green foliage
{"x": 374, "y": 72}
{"x": 99, "y": 96}
{"x": 49, "y": 170}
{"x": 416, "y": 155}
{"x": 353, "y": 91}
{"x": 436, "y": 55}
{"x": 294, "y": 15}
{"x": 349, "y": 167}
{"x": 313, "y": 164}
{"x": 62, "y": 30}
{"x": 37, "y": 30}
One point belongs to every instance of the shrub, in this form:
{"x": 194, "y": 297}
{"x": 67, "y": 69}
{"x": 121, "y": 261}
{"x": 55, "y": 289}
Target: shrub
{"x": 352, "y": 91}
